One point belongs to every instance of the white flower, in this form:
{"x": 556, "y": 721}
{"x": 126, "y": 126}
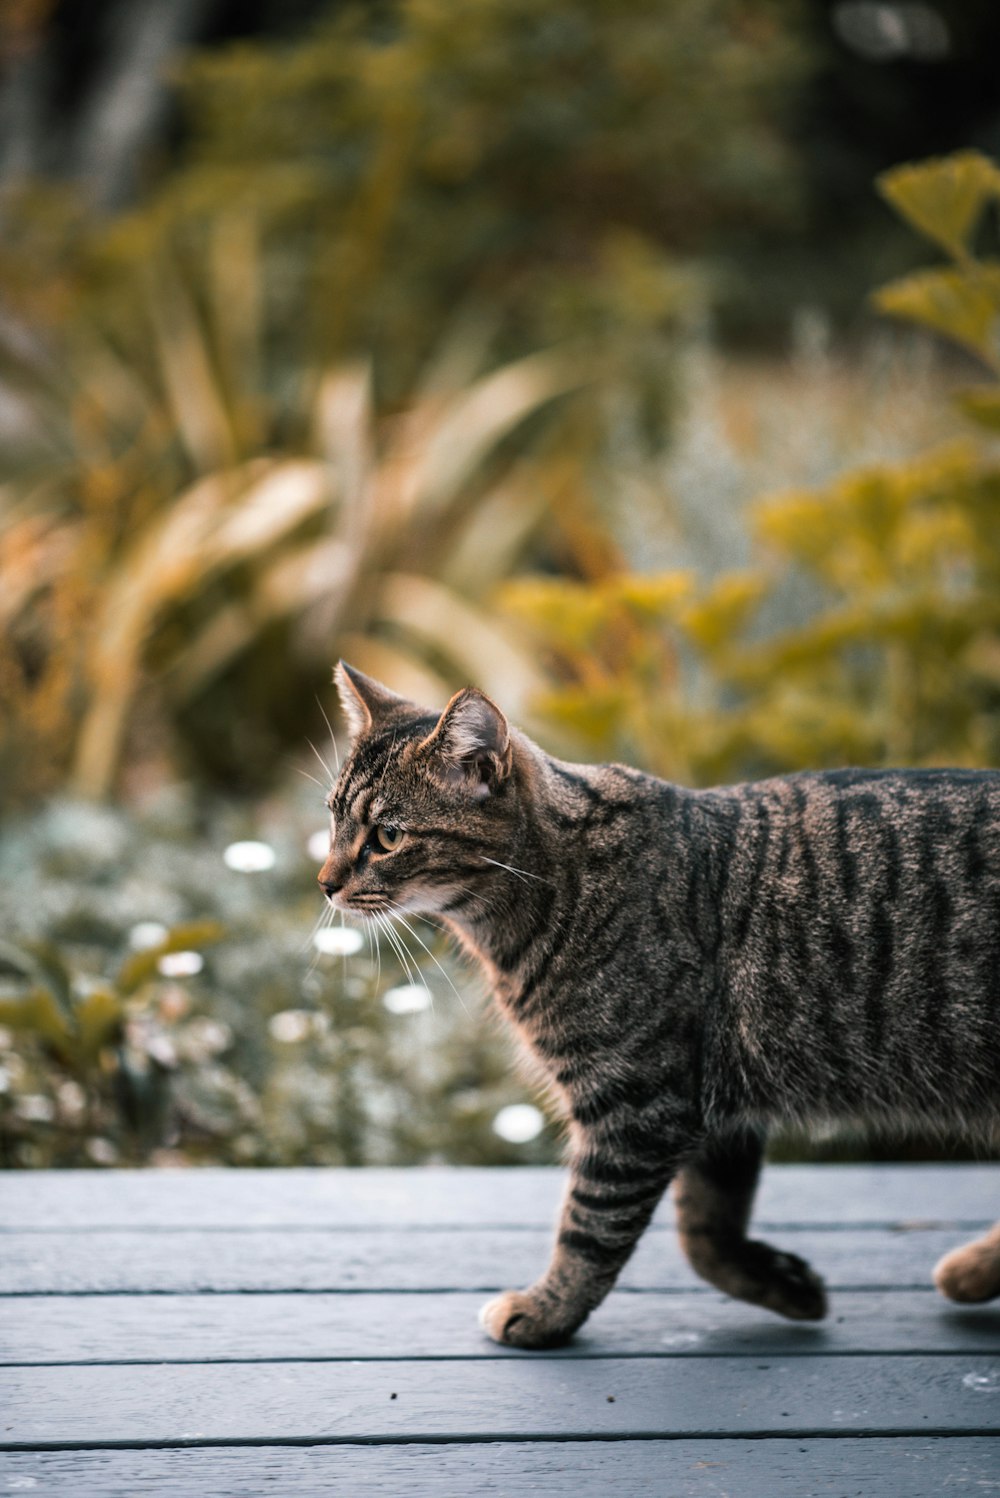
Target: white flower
{"x": 290, "y": 1025}
{"x": 519, "y": 1122}
{"x": 340, "y": 941}
{"x": 35, "y": 1108}
{"x": 147, "y": 934}
{"x": 180, "y": 964}
{"x": 102, "y": 1151}
{"x": 318, "y": 845}
{"x": 249, "y": 857}
{"x": 408, "y": 998}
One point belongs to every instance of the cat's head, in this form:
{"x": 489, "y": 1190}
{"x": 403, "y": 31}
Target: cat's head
{"x": 422, "y": 802}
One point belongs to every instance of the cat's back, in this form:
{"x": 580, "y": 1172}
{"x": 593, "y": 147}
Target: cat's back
{"x": 858, "y": 935}
{"x": 852, "y": 846}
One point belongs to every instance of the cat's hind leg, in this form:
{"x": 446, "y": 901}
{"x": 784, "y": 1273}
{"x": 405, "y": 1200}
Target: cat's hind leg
{"x": 714, "y": 1194}
{"x": 971, "y": 1273}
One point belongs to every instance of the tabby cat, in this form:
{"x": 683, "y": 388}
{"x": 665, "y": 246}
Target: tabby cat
{"x": 689, "y": 967}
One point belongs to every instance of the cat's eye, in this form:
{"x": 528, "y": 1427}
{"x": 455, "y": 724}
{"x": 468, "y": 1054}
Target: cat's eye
{"x": 388, "y": 838}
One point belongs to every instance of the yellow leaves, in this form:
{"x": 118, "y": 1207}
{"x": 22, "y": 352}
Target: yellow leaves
{"x": 963, "y": 304}
{"x": 568, "y": 615}
{"x": 943, "y": 197}
{"x": 649, "y": 595}
{"x": 981, "y": 405}
{"x": 584, "y": 617}
{"x": 879, "y": 527}
{"x": 723, "y": 611}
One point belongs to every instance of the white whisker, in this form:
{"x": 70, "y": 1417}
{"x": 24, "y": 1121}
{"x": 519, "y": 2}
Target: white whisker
{"x": 417, "y": 937}
{"x": 331, "y": 776}
{"x": 333, "y": 738}
{"x": 392, "y": 937}
{"x": 519, "y": 873}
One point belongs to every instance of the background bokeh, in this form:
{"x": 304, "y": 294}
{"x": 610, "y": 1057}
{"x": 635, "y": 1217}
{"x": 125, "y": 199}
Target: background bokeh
{"x": 635, "y": 361}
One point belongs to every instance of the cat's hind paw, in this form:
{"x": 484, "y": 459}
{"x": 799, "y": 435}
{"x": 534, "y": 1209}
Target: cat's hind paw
{"x": 971, "y": 1274}
{"x": 517, "y": 1319}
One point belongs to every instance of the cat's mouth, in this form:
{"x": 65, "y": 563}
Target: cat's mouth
{"x": 365, "y": 902}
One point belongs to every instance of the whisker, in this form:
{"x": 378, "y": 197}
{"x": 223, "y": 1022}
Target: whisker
{"x": 405, "y": 956}
{"x": 520, "y": 873}
{"x": 444, "y": 973}
{"x": 317, "y": 923}
{"x": 333, "y": 737}
{"x": 323, "y": 763}
{"x": 306, "y": 773}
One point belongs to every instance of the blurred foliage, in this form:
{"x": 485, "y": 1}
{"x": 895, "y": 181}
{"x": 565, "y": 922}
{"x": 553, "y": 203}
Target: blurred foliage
{"x": 264, "y": 1052}
{"x": 898, "y": 658}
{"x": 548, "y": 164}
{"x": 246, "y": 444}
{"x": 156, "y": 622}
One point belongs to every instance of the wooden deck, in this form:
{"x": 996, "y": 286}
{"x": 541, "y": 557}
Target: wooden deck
{"x": 292, "y": 1332}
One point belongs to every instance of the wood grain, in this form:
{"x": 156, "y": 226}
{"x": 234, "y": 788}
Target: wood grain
{"x": 178, "y": 1404}
{"x": 426, "y": 1260}
{"x": 522, "y": 1197}
{"x": 198, "y": 1328}
{"x": 900, "y": 1467}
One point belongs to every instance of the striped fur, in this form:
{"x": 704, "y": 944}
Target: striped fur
{"x": 689, "y": 967}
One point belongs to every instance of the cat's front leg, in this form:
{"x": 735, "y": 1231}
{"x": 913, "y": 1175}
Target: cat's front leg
{"x": 607, "y": 1206}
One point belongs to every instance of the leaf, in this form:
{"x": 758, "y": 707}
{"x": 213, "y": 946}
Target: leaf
{"x": 654, "y": 596}
{"x": 190, "y": 382}
{"x": 963, "y": 305}
{"x": 37, "y": 1013}
{"x": 141, "y": 966}
{"x": 477, "y": 420}
{"x": 981, "y": 405}
{"x": 99, "y": 1018}
{"x": 943, "y": 197}
{"x": 459, "y": 632}
{"x": 721, "y": 614}
{"x": 42, "y": 962}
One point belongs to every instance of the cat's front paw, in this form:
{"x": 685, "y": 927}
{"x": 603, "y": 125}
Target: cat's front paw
{"x": 517, "y": 1319}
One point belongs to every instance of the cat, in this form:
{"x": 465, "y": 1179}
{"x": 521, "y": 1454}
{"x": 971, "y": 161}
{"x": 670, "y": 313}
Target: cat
{"x": 689, "y": 967}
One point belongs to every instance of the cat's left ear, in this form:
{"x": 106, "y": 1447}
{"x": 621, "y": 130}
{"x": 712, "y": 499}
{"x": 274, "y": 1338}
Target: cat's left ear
{"x": 472, "y": 742}
{"x": 364, "y": 701}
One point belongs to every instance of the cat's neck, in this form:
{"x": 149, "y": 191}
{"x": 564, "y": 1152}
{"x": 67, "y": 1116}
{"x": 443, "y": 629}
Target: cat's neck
{"x": 525, "y": 893}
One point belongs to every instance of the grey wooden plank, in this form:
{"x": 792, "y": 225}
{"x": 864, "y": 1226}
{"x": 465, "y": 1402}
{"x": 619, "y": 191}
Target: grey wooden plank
{"x": 848, "y": 1194}
{"x": 478, "y": 1259}
{"x": 193, "y": 1328}
{"x": 803, "y": 1468}
{"x": 184, "y": 1404}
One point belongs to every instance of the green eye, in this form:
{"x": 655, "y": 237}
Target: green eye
{"x": 388, "y": 838}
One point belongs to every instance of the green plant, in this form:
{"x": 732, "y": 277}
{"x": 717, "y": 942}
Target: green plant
{"x": 262, "y": 1046}
{"x": 80, "y": 1027}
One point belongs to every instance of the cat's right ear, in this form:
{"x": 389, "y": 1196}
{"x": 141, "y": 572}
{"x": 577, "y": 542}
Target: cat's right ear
{"x": 363, "y": 700}
{"x": 471, "y": 743}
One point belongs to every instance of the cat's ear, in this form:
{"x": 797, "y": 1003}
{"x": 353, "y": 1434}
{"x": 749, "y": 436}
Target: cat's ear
{"x": 363, "y": 700}
{"x": 471, "y": 742}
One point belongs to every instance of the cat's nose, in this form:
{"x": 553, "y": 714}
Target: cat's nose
{"x": 332, "y": 877}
